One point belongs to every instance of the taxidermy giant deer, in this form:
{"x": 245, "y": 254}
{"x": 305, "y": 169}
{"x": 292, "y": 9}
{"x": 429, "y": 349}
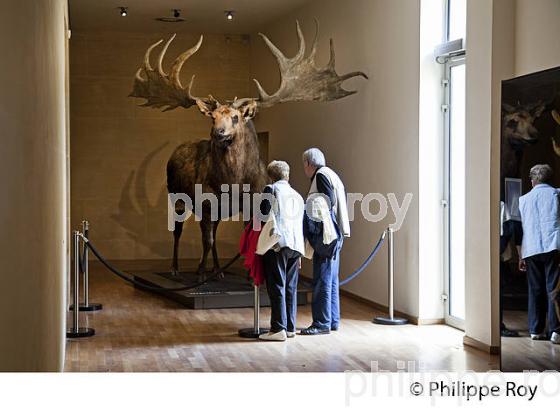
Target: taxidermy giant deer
{"x": 231, "y": 155}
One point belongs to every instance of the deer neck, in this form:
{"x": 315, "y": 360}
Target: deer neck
{"x": 511, "y": 158}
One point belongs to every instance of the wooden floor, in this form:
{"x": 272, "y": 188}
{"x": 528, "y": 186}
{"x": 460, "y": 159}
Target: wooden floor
{"x": 522, "y": 353}
{"x": 141, "y": 332}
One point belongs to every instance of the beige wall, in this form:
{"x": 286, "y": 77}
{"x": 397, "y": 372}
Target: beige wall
{"x": 120, "y": 150}
{"x": 537, "y": 35}
{"x": 33, "y": 179}
{"x": 371, "y": 138}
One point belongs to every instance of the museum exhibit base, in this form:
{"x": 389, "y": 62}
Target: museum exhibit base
{"x": 234, "y": 290}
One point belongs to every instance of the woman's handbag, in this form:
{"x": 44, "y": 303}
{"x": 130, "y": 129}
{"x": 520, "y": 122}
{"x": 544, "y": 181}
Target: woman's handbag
{"x": 270, "y": 232}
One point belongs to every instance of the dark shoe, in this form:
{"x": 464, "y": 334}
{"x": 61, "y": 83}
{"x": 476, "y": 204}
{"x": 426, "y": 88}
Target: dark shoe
{"x": 539, "y": 336}
{"x": 312, "y": 330}
{"x": 334, "y": 329}
{"x": 505, "y": 332}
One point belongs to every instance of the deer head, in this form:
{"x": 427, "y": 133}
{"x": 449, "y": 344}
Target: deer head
{"x": 227, "y": 119}
{"x": 518, "y": 123}
{"x": 300, "y": 80}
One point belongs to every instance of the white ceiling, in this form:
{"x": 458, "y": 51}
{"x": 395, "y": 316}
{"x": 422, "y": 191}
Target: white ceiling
{"x": 200, "y": 15}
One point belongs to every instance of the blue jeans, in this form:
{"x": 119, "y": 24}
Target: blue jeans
{"x": 325, "y": 305}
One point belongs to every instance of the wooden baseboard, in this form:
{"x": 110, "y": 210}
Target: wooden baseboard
{"x": 427, "y": 322}
{"x": 384, "y": 309}
{"x": 478, "y": 345}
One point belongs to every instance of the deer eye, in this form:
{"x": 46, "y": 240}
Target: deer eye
{"x": 234, "y": 119}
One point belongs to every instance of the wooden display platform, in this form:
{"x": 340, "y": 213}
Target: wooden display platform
{"x": 235, "y": 290}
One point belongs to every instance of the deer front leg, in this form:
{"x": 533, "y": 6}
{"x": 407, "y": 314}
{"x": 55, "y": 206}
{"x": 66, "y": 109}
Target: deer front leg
{"x": 206, "y": 230}
{"x": 215, "y": 260}
{"x": 176, "y": 236}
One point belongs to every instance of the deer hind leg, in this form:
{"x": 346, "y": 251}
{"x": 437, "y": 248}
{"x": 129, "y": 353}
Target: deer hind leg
{"x": 215, "y": 259}
{"x": 206, "y": 230}
{"x": 176, "y": 236}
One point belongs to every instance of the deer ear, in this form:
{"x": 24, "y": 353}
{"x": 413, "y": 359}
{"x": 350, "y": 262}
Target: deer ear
{"x": 205, "y": 107}
{"x": 248, "y": 110}
{"x": 539, "y": 110}
{"x": 556, "y": 117}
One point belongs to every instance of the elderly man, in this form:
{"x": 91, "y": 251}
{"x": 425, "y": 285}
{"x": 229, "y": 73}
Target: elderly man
{"x": 325, "y": 302}
{"x": 540, "y": 217}
{"x": 282, "y": 262}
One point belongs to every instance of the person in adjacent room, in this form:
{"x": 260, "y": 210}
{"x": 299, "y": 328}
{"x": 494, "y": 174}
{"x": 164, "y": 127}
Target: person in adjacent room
{"x": 510, "y": 233}
{"x": 325, "y": 304}
{"x": 540, "y": 217}
{"x": 282, "y": 262}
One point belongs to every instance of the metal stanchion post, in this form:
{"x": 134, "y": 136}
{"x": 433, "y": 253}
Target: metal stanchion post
{"x": 86, "y": 306}
{"x": 76, "y": 330}
{"x": 255, "y": 331}
{"x": 85, "y": 231}
{"x": 391, "y": 320}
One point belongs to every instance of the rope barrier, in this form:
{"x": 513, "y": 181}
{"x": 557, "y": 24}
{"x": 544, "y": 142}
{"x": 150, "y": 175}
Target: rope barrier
{"x": 366, "y": 262}
{"x": 125, "y": 276}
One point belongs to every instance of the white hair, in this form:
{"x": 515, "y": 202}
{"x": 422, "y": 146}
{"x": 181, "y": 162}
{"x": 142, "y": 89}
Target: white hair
{"x": 314, "y": 157}
{"x": 541, "y": 173}
{"x": 278, "y": 170}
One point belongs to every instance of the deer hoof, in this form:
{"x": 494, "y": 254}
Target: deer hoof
{"x": 218, "y": 273}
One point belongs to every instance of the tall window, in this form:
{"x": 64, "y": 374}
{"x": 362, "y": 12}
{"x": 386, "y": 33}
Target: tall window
{"x": 456, "y": 23}
{"x": 454, "y": 182}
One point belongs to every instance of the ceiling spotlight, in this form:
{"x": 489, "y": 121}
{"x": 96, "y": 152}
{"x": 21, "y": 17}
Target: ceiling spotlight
{"x": 124, "y": 11}
{"x": 229, "y": 14}
{"x": 176, "y": 13}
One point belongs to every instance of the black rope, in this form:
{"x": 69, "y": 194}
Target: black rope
{"x": 125, "y": 276}
{"x": 366, "y": 262}
{"x": 82, "y": 256}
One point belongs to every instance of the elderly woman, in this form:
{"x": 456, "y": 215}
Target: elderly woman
{"x": 281, "y": 263}
{"x": 540, "y": 218}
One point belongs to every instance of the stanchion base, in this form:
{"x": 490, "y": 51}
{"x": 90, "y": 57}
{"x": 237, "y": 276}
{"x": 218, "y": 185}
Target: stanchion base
{"x": 92, "y": 307}
{"x": 388, "y": 321}
{"x": 82, "y": 332}
{"x": 249, "y": 333}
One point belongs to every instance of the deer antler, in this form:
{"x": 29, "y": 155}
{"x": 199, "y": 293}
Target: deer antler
{"x": 161, "y": 89}
{"x": 301, "y": 80}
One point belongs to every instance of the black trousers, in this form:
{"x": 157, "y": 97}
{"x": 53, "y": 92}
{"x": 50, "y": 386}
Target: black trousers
{"x": 281, "y": 272}
{"x": 542, "y": 280}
